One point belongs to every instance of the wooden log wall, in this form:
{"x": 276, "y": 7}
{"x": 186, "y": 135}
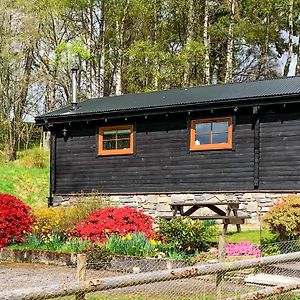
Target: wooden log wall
{"x": 265, "y": 156}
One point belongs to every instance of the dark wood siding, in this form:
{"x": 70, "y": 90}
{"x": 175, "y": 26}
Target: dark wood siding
{"x": 161, "y": 162}
{"x": 280, "y": 149}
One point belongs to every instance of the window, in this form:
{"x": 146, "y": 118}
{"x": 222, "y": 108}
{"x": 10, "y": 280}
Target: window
{"x": 116, "y": 140}
{"x": 211, "y": 134}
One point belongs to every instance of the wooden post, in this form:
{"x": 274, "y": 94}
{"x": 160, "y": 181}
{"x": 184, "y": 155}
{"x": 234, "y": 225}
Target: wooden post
{"x": 81, "y": 274}
{"x": 81, "y": 268}
{"x": 221, "y": 258}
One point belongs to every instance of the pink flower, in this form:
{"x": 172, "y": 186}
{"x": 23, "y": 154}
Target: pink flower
{"x": 242, "y": 248}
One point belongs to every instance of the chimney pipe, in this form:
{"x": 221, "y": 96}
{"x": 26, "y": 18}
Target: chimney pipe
{"x": 74, "y": 86}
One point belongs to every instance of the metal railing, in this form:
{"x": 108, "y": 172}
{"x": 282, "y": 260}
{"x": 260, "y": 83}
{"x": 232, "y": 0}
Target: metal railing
{"x": 271, "y": 277}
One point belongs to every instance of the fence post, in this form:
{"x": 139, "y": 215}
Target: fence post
{"x": 81, "y": 273}
{"x": 81, "y": 268}
{"x": 221, "y": 258}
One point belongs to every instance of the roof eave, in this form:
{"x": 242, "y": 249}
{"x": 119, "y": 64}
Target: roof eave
{"x": 228, "y": 103}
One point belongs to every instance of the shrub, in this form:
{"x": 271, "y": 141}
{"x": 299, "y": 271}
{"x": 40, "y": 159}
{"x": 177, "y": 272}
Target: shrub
{"x": 34, "y": 158}
{"x": 114, "y": 220}
{"x": 59, "y": 220}
{"x": 283, "y": 218}
{"x": 15, "y": 220}
{"x": 135, "y": 244}
{"x": 242, "y": 248}
{"x": 187, "y": 235}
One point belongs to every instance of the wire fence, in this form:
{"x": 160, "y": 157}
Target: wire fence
{"x": 275, "y": 274}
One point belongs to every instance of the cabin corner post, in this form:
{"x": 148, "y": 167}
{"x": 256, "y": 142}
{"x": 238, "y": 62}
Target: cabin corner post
{"x": 256, "y": 131}
{"x": 52, "y": 167}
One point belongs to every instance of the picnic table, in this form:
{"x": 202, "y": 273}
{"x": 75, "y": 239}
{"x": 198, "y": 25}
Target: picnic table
{"x": 225, "y": 211}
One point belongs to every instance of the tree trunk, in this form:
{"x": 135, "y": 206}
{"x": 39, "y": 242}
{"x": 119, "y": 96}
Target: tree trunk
{"x": 118, "y": 73}
{"x": 229, "y": 53}
{"x": 298, "y": 58}
{"x": 102, "y": 55}
{"x": 189, "y": 37}
{"x": 291, "y": 33}
{"x": 15, "y": 125}
{"x": 156, "y": 65}
{"x": 206, "y": 40}
{"x": 120, "y": 25}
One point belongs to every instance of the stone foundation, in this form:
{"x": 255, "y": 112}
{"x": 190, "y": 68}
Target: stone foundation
{"x": 254, "y": 204}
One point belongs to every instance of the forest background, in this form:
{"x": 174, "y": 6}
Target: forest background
{"x": 130, "y": 46}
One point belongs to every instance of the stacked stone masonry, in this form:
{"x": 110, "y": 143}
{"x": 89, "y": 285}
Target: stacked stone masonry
{"x": 253, "y": 204}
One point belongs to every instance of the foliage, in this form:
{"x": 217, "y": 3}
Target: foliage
{"x": 242, "y": 248}
{"x": 114, "y": 220}
{"x": 15, "y": 220}
{"x": 53, "y": 243}
{"x": 283, "y": 218}
{"x": 60, "y": 220}
{"x": 136, "y": 244}
{"x": 97, "y": 254}
{"x": 187, "y": 235}
{"x": 34, "y": 158}
{"x": 270, "y": 246}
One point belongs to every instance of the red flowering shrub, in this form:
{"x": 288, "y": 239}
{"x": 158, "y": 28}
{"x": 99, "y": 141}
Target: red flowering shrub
{"x": 111, "y": 220}
{"x": 15, "y": 220}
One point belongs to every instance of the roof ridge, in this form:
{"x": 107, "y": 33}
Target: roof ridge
{"x": 214, "y": 93}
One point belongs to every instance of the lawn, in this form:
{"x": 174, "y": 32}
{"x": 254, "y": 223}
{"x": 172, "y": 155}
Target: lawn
{"x": 254, "y": 236}
{"x": 30, "y": 184}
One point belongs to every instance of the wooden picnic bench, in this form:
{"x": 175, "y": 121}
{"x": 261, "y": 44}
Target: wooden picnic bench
{"x": 228, "y": 214}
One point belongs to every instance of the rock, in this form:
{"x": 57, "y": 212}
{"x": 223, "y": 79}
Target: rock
{"x": 136, "y": 270}
{"x": 160, "y": 255}
{"x": 252, "y": 206}
{"x": 212, "y": 261}
{"x": 163, "y": 207}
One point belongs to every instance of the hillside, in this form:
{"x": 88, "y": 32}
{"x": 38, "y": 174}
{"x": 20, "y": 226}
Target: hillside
{"x": 27, "y": 178}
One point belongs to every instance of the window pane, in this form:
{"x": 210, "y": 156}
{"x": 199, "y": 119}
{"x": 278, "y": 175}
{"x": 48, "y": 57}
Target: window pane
{"x": 127, "y": 131}
{"x": 109, "y": 135}
{"x": 220, "y": 127}
{"x": 220, "y": 138}
{"x": 123, "y": 133}
{"x": 202, "y": 139}
{"x": 123, "y": 144}
{"x": 109, "y": 145}
{"x": 203, "y": 128}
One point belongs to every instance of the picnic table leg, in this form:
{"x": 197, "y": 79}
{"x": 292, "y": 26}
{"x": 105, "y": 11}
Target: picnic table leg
{"x": 238, "y": 226}
{"x": 177, "y": 208}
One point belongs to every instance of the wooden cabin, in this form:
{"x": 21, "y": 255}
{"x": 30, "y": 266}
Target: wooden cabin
{"x": 232, "y": 139}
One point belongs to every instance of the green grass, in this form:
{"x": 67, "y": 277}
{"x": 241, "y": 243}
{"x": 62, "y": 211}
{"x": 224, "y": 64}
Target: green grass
{"x": 254, "y": 236}
{"x": 29, "y": 184}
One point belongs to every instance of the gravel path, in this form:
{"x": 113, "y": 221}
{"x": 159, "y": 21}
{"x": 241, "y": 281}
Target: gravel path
{"x": 15, "y": 276}
{"x": 21, "y": 276}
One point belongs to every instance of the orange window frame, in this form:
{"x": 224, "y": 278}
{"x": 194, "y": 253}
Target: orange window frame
{"x": 216, "y": 146}
{"x": 102, "y": 151}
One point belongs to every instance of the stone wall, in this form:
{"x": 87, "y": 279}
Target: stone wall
{"x": 254, "y": 204}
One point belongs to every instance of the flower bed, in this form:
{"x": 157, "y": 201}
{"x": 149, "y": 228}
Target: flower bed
{"x": 120, "y": 263}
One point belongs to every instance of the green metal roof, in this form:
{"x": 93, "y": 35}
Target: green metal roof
{"x": 212, "y": 94}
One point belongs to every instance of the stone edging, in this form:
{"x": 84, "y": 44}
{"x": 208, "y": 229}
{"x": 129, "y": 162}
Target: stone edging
{"x": 38, "y": 256}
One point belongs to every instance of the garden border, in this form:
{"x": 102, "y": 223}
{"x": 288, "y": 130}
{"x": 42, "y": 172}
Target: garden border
{"x": 120, "y": 263}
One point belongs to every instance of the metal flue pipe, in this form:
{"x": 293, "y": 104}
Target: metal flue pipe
{"x": 74, "y": 86}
